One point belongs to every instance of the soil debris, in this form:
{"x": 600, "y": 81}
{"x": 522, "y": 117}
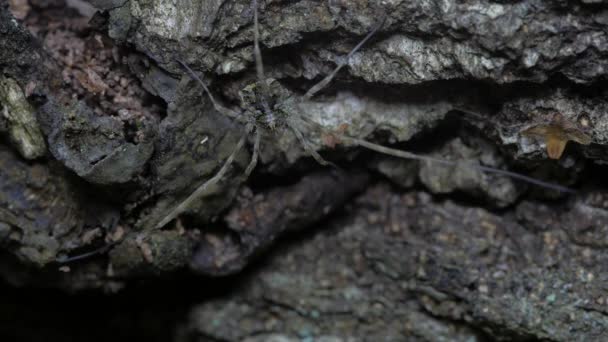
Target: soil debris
{"x": 94, "y": 69}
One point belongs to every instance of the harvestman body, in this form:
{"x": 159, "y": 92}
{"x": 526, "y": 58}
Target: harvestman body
{"x": 266, "y": 118}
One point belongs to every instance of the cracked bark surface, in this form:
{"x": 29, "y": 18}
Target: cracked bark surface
{"x": 379, "y": 249}
{"x": 403, "y": 266}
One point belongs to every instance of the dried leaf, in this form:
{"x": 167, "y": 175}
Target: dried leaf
{"x": 555, "y": 146}
{"x": 580, "y": 137}
{"x": 538, "y": 131}
{"x": 556, "y": 134}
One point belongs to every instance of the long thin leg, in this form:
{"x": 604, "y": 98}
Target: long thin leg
{"x": 259, "y": 63}
{"x": 95, "y": 252}
{"x": 254, "y": 156}
{"x": 324, "y": 82}
{"x": 306, "y": 145}
{"x": 183, "y": 206}
{"x": 413, "y": 156}
{"x": 408, "y": 155}
{"x": 228, "y": 112}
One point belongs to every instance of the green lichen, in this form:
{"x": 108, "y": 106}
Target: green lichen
{"x": 23, "y": 127}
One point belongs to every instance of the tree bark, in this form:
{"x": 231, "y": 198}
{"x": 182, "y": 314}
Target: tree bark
{"x": 105, "y": 131}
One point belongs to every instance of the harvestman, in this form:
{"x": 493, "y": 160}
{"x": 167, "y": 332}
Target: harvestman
{"x": 256, "y": 120}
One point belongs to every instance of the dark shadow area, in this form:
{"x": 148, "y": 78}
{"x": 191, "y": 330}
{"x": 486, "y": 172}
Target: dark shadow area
{"x": 146, "y": 310}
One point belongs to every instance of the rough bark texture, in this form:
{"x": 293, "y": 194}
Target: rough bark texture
{"x": 103, "y": 133}
{"x": 402, "y": 266}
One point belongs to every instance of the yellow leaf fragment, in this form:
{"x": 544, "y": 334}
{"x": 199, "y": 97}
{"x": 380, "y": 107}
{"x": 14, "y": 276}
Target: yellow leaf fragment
{"x": 580, "y": 137}
{"x": 556, "y": 134}
{"x": 555, "y": 146}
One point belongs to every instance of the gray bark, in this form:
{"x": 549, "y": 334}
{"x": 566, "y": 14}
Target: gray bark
{"x": 444, "y": 253}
